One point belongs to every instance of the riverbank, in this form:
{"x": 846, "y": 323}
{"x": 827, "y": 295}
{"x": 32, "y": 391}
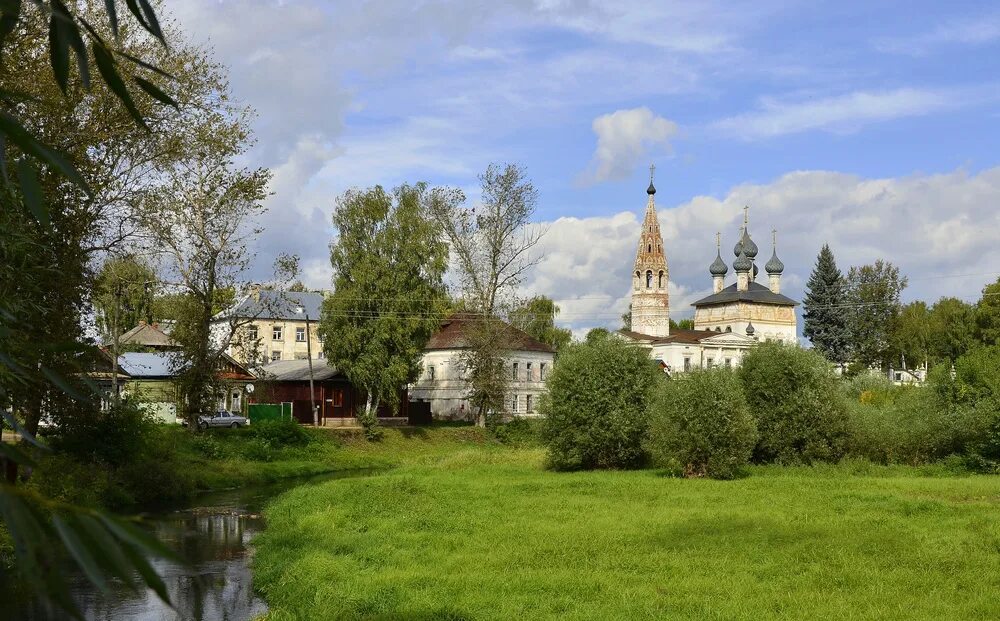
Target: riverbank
{"x": 472, "y": 529}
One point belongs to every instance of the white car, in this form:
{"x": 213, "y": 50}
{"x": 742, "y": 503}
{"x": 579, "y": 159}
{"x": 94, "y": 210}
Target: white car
{"x": 222, "y": 418}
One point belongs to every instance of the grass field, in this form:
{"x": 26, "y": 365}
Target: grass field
{"x": 462, "y": 529}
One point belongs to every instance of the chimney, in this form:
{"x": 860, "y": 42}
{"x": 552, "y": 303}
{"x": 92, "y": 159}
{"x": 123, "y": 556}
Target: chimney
{"x": 255, "y": 292}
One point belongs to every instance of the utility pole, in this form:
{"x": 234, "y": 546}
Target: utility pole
{"x": 114, "y": 344}
{"x": 312, "y": 393}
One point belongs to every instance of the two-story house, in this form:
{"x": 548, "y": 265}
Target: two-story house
{"x": 443, "y": 382}
{"x": 272, "y": 325}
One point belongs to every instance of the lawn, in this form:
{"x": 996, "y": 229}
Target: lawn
{"x": 465, "y": 529}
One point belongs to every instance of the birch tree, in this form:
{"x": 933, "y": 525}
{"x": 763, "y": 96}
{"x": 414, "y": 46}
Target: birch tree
{"x": 389, "y": 296}
{"x": 491, "y": 247}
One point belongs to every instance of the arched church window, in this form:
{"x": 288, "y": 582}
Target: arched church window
{"x": 649, "y": 279}
{"x": 729, "y": 328}
{"x": 662, "y": 284}
{"x": 637, "y": 277}
{"x": 649, "y": 248}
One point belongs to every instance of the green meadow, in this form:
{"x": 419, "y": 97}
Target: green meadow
{"x": 457, "y": 526}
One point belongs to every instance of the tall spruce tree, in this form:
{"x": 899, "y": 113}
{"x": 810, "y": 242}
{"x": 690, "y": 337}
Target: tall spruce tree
{"x": 825, "y": 322}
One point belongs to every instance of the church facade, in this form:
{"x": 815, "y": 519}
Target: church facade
{"x": 726, "y": 323}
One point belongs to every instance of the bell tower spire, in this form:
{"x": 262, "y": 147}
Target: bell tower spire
{"x": 650, "y": 276}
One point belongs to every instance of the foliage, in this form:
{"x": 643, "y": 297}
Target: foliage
{"x": 683, "y": 324}
{"x": 203, "y": 219}
{"x": 280, "y": 433}
{"x": 912, "y": 333}
{"x": 123, "y": 296}
{"x": 491, "y": 248}
{"x": 975, "y": 391}
{"x": 368, "y": 419}
{"x": 389, "y": 263}
{"x": 520, "y": 432}
{"x": 595, "y": 408}
{"x": 851, "y": 540}
{"x": 596, "y": 334}
{"x": 112, "y": 437}
{"x": 701, "y": 426}
{"x": 952, "y": 329}
{"x": 537, "y": 317}
{"x": 823, "y": 312}
{"x": 873, "y": 310}
{"x": 988, "y": 314}
{"x": 171, "y": 306}
{"x": 795, "y": 399}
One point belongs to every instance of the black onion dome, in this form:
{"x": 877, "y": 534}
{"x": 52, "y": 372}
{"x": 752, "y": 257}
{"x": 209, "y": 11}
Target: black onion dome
{"x": 755, "y": 271}
{"x": 750, "y": 329}
{"x": 742, "y": 263}
{"x": 651, "y": 190}
{"x": 718, "y": 266}
{"x": 749, "y": 247}
{"x": 738, "y": 248}
{"x": 774, "y": 264}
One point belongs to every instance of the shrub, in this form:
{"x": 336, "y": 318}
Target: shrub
{"x": 870, "y": 389}
{"x": 800, "y": 411}
{"x": 701, "y": 425}
{"x": 114, "y": 437}
{"x": 518, "y": 432}
{"x": 974, "y": 392}
{"x": 595, "y": 408}
{"x": 280, "y": 433}
{"x": 369, "y": 422}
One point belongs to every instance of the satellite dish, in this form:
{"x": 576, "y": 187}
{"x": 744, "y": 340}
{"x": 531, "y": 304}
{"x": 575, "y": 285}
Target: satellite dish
{"x": 249, "y": 388}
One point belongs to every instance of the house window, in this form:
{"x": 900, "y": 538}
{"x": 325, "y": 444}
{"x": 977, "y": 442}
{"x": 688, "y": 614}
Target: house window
{"x": 513, "y": 372}
{"x": 687, "y": 364}
{"x": 300, "y": 335}
{"x": 277, "y": 333}
{"x": 252, "y": 332}
{"x": 430, "y": 372}
{"x": 321, "y": 354}
{"x": 527, "y": 404}
{"x": 729, "y": 363}
{"x": 527, "y": 371}
{"x": 710, "y": 362}
{"x": 541, "y": 371}
{"x": 513, "y": 404}
{"x": 275, "y": 355}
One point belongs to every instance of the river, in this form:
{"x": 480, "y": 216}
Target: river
{"x": 213, "y": 533}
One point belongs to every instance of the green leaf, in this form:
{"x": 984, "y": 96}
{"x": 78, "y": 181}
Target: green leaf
{"x": 106, "y": 65}
{"x": 80, "y": 49}
{"x": 17, "y": 134}
{"x": 73, "y": 542}
{"x": 145, "y": 65}
{"x": 19, "y": 430}
{"x": 112, "y": 10}
{"x": 31, "y": 192}
{"x": 10, "y": 12}
{"x": 13, "y": 453}
{"x": 64, "y": 385}
{"x": 149, "y": 575}
{"x": 154, "y": 24}
{"x": 59, "y": 48}
{"x": 108, "y": 551}
{"x": 143, "y": 541}
{"x": 155, "y": 91}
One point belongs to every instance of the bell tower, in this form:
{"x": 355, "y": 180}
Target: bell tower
{"x": 650, "y": 301}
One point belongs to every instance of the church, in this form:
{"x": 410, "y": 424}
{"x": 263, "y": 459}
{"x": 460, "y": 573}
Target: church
{"x": 727, "y": 322}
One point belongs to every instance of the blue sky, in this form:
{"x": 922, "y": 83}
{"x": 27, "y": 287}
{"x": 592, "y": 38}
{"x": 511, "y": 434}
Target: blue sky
{"x": 869, "y": 125}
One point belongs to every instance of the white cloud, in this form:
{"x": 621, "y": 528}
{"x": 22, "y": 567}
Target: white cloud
{"x": 624, "y": 138}
{"x": 843, "y": 113}
{"x": 939, "y": 229}
{"x": 981, "y": 30}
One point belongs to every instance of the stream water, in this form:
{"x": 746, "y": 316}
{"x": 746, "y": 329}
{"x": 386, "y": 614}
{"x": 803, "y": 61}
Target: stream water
{"x": 213, "y": 534}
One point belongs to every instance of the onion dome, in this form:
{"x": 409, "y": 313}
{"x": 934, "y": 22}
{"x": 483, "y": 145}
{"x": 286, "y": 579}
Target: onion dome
{"x": 774, "y": 264}
{"x": 738, "y": 248}
{"x": 750, "y": 329}
{"x": 755, "y": 270}
{"x": 718, "y": 266}
{"x": 651, "y": 190}
{"x": 742, "y": 263}
{"x": 749, "y": 248}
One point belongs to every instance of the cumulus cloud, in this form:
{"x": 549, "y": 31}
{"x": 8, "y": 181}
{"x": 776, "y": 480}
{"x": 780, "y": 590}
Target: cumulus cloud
{"x": 624, "y": 137}
{"x": 939, "y": 229}
{"x": 843, "y": 113}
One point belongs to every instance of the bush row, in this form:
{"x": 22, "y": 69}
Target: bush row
{"x": 609, "y": 407}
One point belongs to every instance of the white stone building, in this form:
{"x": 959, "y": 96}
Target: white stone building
{"x": 727, "y": 322}
{"x": 274, "y": 325}
{"x": 443, "y": 382}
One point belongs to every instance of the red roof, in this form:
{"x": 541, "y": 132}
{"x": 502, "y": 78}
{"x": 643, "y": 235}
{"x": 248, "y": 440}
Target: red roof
{"x": 453, "y": 335}
{"x": 677, "y": 335}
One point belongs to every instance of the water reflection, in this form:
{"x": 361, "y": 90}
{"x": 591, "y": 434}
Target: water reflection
{"x": 217, "y": 583}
